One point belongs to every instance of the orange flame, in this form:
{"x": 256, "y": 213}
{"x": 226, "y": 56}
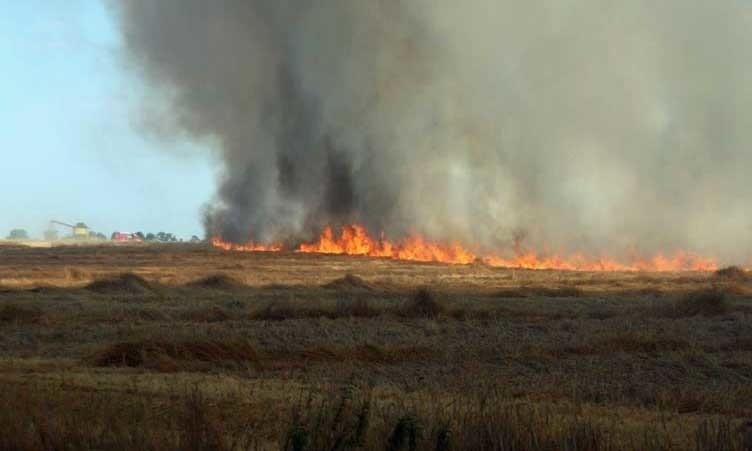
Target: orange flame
{"x": 355, "y": 240}
{"x": 247, "y": 247}
{"x": 681, "y": 261}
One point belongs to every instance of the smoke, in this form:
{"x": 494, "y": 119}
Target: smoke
{"x": 577, "y": 124}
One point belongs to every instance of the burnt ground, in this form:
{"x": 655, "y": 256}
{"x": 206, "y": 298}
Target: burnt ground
{"x": 634, "y": 354}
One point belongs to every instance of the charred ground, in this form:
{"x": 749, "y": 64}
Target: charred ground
{"x": 188, "y": 347}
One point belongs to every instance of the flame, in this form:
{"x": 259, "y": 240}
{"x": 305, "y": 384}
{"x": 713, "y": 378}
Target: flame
{"x": 355, "y": 240}
{"x": 680, "y": 261}
{"x": 250, "y": 246}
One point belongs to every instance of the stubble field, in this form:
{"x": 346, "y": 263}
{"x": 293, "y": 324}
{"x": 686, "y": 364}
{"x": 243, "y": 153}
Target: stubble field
{"x": 189, "y": 347}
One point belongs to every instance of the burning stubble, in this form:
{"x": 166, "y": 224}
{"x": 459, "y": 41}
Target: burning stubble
{"x": 587, "y": 126}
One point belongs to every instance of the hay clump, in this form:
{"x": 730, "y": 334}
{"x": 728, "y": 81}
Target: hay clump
{"x": 349, "y": 282}
{"x": 127, "y": 283}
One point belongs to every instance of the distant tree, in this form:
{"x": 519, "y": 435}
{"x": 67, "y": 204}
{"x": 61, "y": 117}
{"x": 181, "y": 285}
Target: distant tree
{"x": 50, "y": 235}
{"x": 195, "y": 239}
{"x": 140, "y": 235}
{"x": 150, "y": 237}
{"x": 165, "y": 237}
{"x": 101, "y": 236}
{"x": 18, "y": 234}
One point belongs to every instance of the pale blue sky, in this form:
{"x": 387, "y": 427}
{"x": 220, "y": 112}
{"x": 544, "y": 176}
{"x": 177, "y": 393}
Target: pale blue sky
{"x": 69, "y": 148}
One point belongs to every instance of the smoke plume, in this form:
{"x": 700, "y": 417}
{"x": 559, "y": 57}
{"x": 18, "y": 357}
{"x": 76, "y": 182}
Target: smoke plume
{"x": 571, "y": 124}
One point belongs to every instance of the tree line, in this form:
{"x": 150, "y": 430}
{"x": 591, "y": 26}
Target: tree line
{"x": 163, "y": 237}
{"x": 159, "y": 237}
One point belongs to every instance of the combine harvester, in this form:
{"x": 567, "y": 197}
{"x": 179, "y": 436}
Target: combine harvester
{"x": 80, "y": 231}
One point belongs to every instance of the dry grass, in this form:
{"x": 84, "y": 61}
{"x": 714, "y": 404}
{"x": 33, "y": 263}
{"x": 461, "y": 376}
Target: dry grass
{"x": 486, "y": 359}
{"x": 283, "y": 311}
{"x": 355, "y": 308}
{"x": 208, "y": 315}
{"x": 18, "y": 314}
{"x": 171, "y": 356}
{"x": 541, "y": 291}
{"x": 343, "y": 308}
{"x": 627, "y": 343}
{"x": 422, "y": 305}
{"x": 217, "y": 282}
{"x": 707, "y": 302}
{"x": 367, "y": 353}
{"x": 348, "y": 422}
{"x": 349, "y": 282}
{"x": 76, "y": 274}
{"x": 42, "y": 417}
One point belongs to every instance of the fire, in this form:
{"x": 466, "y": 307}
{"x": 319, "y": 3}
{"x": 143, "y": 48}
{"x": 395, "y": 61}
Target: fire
{"x": 247, "y": 247}
{"x": 681, "y": 261}
{"x": 355, "y": 240}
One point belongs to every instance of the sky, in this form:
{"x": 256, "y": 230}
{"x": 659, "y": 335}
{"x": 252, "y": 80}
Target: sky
{"x": 72, "y": 142}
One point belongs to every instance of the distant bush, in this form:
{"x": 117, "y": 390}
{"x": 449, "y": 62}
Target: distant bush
{"x": 165, "y": 237}
{"x": 18, "y": 234}
{"x": 161, "y": 237}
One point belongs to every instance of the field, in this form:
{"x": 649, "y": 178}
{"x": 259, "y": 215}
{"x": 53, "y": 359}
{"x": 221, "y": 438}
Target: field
{"x": 188, "y": 347}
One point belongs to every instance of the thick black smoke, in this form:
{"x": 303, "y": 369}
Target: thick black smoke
{"x": 580, "y": 124}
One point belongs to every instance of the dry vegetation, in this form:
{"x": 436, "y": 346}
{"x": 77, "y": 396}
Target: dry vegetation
{"x": 189, "y": 348}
